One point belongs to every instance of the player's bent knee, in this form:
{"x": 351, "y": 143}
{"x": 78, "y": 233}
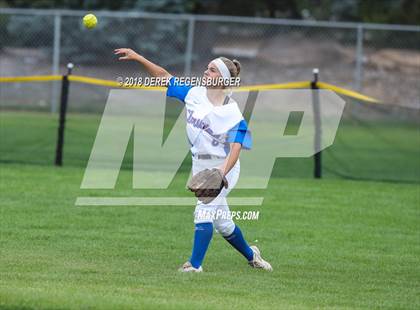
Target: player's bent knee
{"x": 225, "y": 228}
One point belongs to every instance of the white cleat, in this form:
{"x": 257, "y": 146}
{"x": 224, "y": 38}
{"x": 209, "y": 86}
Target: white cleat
{"x": 258, "y": 261}
{"x": 187, "y": 267}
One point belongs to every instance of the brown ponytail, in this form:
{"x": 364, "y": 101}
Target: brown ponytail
{"x": 237, "y": 65}
{"x": 234, "y": 66}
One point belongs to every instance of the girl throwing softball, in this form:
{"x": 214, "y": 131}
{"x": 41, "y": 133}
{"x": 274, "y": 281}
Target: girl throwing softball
{"x": 217, "y": 132}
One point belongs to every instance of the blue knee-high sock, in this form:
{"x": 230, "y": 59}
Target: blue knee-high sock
{"x": 202, "y": 238}
{"x": 236, "y": 239}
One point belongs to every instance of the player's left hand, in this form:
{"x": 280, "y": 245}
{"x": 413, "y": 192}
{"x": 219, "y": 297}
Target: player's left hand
{"x": 207, "y": 184}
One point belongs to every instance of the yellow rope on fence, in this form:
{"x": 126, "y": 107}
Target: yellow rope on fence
{"x": 115, "y": 84}
{"x": 291, "y": 85}
{"x": 347, "y": 92}
{"x": 31, "y": 78}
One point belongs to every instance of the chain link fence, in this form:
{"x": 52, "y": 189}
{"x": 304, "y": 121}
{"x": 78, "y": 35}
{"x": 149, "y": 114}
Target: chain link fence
{"x": 374, "y": 141}
{"x": 382, "y": 61}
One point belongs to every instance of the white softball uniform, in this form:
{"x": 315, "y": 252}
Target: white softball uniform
{"x": 210, "y": 129}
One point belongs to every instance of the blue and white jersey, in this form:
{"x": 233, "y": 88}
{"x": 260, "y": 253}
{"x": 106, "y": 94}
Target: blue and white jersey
{"x": 210, "y": 128}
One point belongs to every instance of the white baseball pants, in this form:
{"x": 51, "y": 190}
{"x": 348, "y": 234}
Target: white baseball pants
{"x": 217, "y": 211}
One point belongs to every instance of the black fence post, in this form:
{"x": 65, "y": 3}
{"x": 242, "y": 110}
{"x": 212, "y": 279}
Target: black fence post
{"x": 62, "y": 118}
{"x": 317, "y": 122}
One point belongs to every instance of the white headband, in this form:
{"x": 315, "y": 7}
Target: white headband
{"x": 224, "y": 71}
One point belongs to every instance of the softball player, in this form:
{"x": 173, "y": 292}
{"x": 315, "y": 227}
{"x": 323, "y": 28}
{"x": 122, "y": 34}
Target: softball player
{"x": 216, "y": 132}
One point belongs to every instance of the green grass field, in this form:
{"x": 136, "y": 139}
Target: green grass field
{"x": 339, "y": 244}
{"x": 333, "y": 243}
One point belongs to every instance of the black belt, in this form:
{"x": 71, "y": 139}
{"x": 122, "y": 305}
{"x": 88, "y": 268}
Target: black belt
{"x": 207, "y": 156}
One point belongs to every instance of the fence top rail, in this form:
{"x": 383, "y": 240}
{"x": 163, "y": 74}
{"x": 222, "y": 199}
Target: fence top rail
{"x": 215, "y": 18}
